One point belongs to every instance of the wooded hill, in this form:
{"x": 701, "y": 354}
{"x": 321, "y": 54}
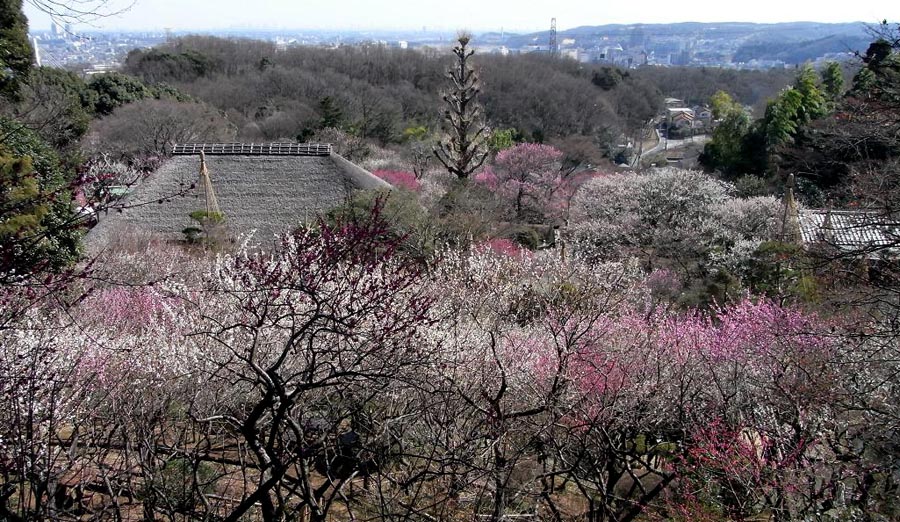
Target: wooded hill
{"x": 378, "y": 92}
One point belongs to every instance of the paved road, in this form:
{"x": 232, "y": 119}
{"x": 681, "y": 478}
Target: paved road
{"x": 664, "y": 144}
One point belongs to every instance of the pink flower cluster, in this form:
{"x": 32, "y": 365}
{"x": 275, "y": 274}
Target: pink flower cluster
{"x": 530, "y": 174}
{"x": 503, "y": 247}
{"x": 127, "y": 307}
{"x": 757, "y": 336}
{"x": 399, "y": 179}
{"x": 528, "y": 158}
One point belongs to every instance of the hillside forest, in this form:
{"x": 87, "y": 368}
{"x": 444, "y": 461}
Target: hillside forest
{"x": 534, "y": 322}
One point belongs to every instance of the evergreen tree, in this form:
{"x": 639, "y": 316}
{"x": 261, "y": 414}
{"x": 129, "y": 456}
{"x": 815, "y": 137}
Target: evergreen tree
{"x": 16, "y": 53}
{"x": 795, "y": 107}
{"x": 783, "y": 114}
{"x": 812, "y": 103}
{"x": 723, "y": 105}
{"x": 833, "y": 81}
{"x": 332, "y": 115}
{"x": 39, "y": 231}
{"x": 880, "y": 78}
{"x": 112, "y": 90}
{"x": 736, "y": 145}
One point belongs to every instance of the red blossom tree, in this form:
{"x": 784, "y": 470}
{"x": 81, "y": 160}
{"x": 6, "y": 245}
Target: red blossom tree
{"x": 399, "y": 179}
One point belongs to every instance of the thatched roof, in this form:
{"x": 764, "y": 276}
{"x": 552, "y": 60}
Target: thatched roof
{"x": 267, "y": 194}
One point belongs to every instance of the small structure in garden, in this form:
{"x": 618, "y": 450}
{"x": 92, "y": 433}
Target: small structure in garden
{"x": 265, "y": 188}
{"x": 850, "y": 233}
{"x": 859, "y": 233}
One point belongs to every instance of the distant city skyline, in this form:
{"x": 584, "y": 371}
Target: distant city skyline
{"x": 475, "y": 15}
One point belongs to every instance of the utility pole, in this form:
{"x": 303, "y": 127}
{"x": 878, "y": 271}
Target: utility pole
{"x": 637, "y": 163}
{"x": 554, "y": 43}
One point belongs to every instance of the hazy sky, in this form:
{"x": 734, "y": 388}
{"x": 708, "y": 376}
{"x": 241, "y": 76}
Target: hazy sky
{"x": 479, "y": 15}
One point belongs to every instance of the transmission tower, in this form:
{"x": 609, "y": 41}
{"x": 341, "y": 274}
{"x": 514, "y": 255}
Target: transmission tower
{"x": 554, "y": 44}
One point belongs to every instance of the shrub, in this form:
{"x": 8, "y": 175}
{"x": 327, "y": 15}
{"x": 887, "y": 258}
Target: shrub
{"x": 180, "y": 483}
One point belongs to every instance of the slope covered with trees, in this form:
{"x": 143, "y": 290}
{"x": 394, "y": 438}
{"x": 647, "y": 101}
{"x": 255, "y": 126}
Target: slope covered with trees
{"x": 377, "y": 92}
{"x": 830, "y": 133}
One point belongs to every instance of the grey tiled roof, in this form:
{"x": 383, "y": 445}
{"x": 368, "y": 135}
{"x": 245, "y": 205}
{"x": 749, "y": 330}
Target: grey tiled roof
{"x": 853, "y": 231}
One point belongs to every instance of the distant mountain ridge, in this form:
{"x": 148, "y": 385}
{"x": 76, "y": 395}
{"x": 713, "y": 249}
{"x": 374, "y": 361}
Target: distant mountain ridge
{"x": 799, "y": 30}
{"x": 791, "y": 42}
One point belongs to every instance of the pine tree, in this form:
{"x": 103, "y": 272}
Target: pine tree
{"x": 833, "y": 81}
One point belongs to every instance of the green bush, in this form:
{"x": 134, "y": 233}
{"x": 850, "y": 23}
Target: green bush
{"x": 528, "y": 237}
{"x": 192, "y": 234}
{"x": 401, "y": 209}
{"x": 54, "y": 243}
{"x": 180, "y": 483}
{"x": 207, "y": 218}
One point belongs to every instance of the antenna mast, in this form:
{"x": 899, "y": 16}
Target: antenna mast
{"x": 212, "y": 204}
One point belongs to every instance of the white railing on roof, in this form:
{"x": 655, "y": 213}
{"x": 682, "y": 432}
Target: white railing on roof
{"x": 253, "y": 149}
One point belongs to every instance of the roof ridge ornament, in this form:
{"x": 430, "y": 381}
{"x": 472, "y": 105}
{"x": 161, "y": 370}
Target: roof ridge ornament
{"x": 212, "y": 204}
{"x": 790, "y": 222}
{"x": 253, "y": 149}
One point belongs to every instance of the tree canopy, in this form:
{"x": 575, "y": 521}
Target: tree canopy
{"x": 16, "y": 54}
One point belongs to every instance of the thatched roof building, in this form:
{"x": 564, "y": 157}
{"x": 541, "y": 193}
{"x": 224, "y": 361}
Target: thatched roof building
{"x": 260, "y": 188}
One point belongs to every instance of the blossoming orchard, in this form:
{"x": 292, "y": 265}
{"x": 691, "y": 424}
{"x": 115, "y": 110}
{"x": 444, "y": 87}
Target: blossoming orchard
{"x": 334, "y": 378}
{"x": 266, "y": 281}
{"x": 543, "y": 341}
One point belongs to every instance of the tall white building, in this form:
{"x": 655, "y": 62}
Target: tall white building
{"x": 37, "y": 51}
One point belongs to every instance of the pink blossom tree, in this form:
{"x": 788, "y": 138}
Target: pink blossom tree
{"x": 491, "y": 385}
{"x": 529, "y": 173}
{"x": 738, "y": 399}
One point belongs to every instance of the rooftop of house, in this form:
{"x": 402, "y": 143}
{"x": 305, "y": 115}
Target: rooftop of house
{"x": 862, "y": 232}
{"x": 264, "y": 188}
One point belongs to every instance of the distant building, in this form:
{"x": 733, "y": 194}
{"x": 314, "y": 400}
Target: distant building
{"x": 680, "y": 58}
{"x": 680, "y": 117}
{"x": 101, "y": 68}
{"x": 570, "y": 53}
{"x": 703, "y": 113}
{"x": 703, "y": 117}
